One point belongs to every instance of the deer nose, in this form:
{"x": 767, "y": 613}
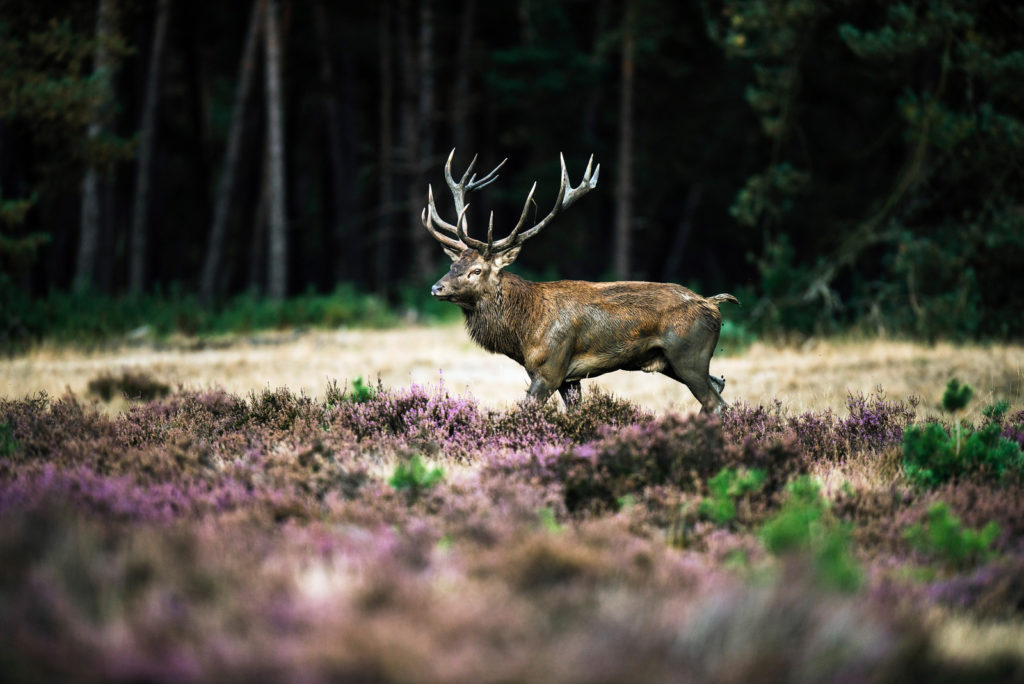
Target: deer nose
{"x": 437, "y": 289}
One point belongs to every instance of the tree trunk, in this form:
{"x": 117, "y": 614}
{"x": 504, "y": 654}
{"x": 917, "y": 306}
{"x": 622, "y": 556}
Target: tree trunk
{"x": 415, "y": 65}
{"x": 147, "y": 134}
{"x": 259, "y": 231}
{"x": 424, "y": 142}
{"x": 592, "y": 107}
{"x": 385, "y": 158}
{"x": 89, "y": 235}
{"x": 218, "y": 231}
{"x": 624, "y": 188}
{"x": 191, "y": 13}
{"x": 344, "y": 243}
{"x": 463, "y": 64}
{"x": 277, "y": 266}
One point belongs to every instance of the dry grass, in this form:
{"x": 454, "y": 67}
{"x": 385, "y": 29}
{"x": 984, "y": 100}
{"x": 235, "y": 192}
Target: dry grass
{"x": 965, "y": 639}
{"x": 817, "y": 375}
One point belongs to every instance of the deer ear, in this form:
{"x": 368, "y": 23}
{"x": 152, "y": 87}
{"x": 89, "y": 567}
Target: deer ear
{"x": 452, "y": 254}
{"x": 505, "y": 258}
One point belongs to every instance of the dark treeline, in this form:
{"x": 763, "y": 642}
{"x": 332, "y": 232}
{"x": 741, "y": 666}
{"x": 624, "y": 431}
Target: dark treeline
{"x": 832, "y": 163}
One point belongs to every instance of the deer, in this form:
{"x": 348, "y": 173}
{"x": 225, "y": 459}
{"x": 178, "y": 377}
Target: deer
{"x": 565, "y": 331}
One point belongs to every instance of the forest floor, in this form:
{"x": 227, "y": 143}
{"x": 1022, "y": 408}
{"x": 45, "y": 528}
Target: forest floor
{"x": 816, "y": 375}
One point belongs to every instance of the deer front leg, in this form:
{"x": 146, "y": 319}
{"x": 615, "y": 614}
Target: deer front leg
{"x": 546, "y": 377}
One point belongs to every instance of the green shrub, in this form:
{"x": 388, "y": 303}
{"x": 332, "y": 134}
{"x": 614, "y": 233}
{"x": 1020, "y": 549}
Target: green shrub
{"x": 943, "y": 538}
{"x": 932, "y": 455}
{"x": 995, "y": 413}
{"x": 804, "y": 524}
{"x": 734, "y": 338}
{"x": 7, "y": 442}
{"x": 88, "y": 317}
{"x": 413, "y": 476}
{"x": 956, "y": 395}
{"x": 548, "y": 521}
{"x": 361, "y": 392}
{"x": 725, "y": 488}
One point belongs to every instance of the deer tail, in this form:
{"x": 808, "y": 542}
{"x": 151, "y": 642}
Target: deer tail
{"x": 724, "y": 297}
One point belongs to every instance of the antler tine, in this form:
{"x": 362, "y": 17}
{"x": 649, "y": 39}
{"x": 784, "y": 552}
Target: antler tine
{"x": 434, "y": 215}
{"x": 467, "y": 183}
{"x": 588, "y": 183}
{"x": 559, "y": 204}
{"x": 486, "y": 180}
{"x": 426, "y": 216}
{"x": 468, "y": 241}
{"x": 448, "y": 168}
{"x": 490, "y": 234}
{"x": 509, "y": 241}
{"x": 469, "y": 169}
{"x": 566, "y": 196}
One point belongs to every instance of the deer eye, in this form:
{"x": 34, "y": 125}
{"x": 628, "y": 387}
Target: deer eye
{"x": 477, "y": 271}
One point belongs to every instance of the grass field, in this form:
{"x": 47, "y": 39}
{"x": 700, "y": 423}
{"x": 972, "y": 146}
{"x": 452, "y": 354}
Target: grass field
{"x": 816, "y": 375}
{"x": 255, "y": 521}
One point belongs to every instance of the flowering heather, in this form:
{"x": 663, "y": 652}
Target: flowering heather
{"x": 1013, "y": 429}
{"x": 203, "y": 536}
{"x": 872, "y": 424}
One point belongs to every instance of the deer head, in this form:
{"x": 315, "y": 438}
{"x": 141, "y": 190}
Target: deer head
{"x": 477, "y": 264}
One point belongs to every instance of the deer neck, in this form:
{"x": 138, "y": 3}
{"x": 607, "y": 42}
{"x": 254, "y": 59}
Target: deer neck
{"x": 497, "y": 321}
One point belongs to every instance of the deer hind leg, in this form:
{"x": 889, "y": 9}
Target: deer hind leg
{"x": 689, "y": 364}
{"x": 570, "y": 393}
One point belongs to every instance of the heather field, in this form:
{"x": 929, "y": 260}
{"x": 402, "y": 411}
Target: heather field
{"x": 239, "y": 524}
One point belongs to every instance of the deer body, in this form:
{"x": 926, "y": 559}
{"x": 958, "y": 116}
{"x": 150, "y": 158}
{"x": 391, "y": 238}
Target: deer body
{"x": 564, "y": 331}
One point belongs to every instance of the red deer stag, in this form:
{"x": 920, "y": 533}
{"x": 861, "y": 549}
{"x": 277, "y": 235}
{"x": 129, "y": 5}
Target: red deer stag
{"x": 567, "y": 330}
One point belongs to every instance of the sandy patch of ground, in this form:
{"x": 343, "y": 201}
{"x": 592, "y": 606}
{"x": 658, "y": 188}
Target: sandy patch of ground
{"x": 817, "y": 375}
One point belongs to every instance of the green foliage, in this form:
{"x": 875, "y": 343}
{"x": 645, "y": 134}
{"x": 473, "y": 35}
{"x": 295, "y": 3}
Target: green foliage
{"x": 931, "y": 456}
{"x": 782, "y": 281}
{"x": 548, "y": 521}
{"x": 361, "y": 392}
{"x": 8, "y": 445}
{"x": 50, "y": 92}
{"x": 956, "y": 396}
{"x": 12, "y": 211}
{"x": 804, "y": 524}
{"x": 995, "y": 413}
{"x": 868, "y": 154}
{"x": 925, "y": 247}
{"x": 734, "y": 338}
{"x": 769, "y": 195}
{"x": 414, "y": 477}
{"x": 943, "y": 538}
{"x": 726, "y": 487}
{"x": 85, "y": 317}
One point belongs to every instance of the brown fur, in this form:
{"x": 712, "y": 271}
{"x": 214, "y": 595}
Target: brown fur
{"x": 567, "y": 330}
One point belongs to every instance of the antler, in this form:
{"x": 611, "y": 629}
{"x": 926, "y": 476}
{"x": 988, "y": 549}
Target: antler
{"x": 466, "y": 184}
{"x": 566, "y": 196}
{"x": 564, "y": 200}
